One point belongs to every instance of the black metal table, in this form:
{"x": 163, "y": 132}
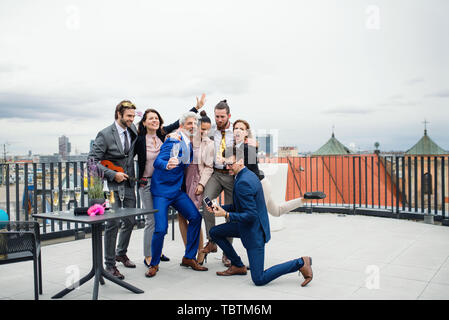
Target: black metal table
{"x": 97, "y": 270}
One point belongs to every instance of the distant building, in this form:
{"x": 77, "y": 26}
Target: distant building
{"x": 424, "y": 158}
{"x": 287, "y": 152}
{"x": 78, "y": 157}
{"x": 332, "y": 147}
{"x": 49, "y": 158}
{"x": 64, "y": 147}
{"x": 425, "y": 147}
{"x": 265, "y": 144}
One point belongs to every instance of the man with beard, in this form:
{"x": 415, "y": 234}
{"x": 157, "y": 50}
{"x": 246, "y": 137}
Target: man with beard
{"x": 221, "y": 133}
{"x": 166, "y": 186}
{"x": 116, "y": 144}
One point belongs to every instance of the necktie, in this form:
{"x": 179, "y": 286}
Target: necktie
{"x": 222, "y": 143}
{"x": 126, "y": 148}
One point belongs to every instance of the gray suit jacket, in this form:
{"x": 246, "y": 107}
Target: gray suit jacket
{"x": 107, "y": 146}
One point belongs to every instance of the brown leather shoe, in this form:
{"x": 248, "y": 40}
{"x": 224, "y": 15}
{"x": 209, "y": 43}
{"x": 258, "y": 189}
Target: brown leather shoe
{"x": 115, "y": 273}
{"x": 226, "y": 261}
{"x": 125, "y": 260}
{"x": 209, "y": 247}
{"x": 233, "y": 270}
{"x": 193, "y": 264}
{"x": 306, "y": 270}
{"x": 151, "y": 272}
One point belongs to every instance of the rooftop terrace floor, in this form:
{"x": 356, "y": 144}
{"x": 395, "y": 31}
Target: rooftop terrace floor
{"x": 411, "y": 260}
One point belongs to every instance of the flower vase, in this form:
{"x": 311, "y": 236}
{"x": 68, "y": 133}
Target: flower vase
{"x": 96, "y": 201}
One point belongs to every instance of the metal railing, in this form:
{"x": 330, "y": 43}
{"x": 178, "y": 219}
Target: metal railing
{"x": 392, "y": 186}
{"x": 389, "y": 186}
{"x": 26, "y": 189}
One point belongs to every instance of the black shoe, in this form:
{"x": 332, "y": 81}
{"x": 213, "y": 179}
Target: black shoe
{"x": 204, "y": 260}
{"x": 314, "y": 195}
{"x": 115, "y": 273}
{"x": 164, "y": 258}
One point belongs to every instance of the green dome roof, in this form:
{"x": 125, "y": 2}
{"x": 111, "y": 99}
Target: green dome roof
{"x": 332, "y": 147}
{"x": 425, "y": 146}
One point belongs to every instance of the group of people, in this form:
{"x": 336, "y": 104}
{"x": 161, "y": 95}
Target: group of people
{"x": 180, "y": 165}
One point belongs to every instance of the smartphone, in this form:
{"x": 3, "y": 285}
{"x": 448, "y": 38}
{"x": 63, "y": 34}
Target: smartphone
{"x": 208, "y": 202}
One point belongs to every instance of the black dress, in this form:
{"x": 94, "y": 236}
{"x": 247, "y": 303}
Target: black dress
{"x": 250, "y": 159}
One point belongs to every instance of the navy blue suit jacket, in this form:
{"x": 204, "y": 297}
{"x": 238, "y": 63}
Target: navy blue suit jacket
{"x": 167, "y": 183}
{"x": 249, "y": 210}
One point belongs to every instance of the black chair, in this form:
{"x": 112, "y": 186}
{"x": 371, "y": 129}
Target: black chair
{"x": 21, "y": 242}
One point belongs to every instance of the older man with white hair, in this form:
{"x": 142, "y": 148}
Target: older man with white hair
{"x": 175, "y": 155}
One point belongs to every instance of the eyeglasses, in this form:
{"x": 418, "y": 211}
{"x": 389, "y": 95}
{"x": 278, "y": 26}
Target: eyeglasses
{"x": 228, "y": 163}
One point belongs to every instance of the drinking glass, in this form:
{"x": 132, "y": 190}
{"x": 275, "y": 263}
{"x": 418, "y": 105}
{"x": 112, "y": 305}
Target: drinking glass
{"x": 175, "y": 150}
{"x": 78, "y": 195}
{"x": 65, "y": 198}
{"x": 121, "y": 194}
{"x": 111, "y": 198}
{"x": 55, "y": 199}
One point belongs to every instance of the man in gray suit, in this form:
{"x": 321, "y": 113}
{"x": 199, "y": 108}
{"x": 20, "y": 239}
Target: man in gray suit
{"x": 116, "y": 144}
{"x": 223, "y": 136}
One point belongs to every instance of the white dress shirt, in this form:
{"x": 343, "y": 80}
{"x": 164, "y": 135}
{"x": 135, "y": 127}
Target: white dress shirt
{"x": 216, "y": 134}
{"x": 122, "y": 135}
{"x": 187, "y": 142}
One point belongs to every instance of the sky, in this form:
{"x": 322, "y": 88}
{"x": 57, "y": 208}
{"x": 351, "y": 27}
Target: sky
{"x": 369, "y": 70}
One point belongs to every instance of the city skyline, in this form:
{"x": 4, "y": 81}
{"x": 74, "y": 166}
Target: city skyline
{"x": 371, "y": 71}
{"x": 271, "y": 144}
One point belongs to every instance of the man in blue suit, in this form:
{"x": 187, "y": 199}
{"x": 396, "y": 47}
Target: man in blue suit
{"x": 248, "y": 220}
{"x": 165, "y": 187}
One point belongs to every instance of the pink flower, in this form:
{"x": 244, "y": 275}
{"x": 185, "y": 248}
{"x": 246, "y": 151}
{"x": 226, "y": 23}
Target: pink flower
{"x": 95, "y": 209}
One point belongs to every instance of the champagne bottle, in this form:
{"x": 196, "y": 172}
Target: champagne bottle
{"x": 106, "y": 193}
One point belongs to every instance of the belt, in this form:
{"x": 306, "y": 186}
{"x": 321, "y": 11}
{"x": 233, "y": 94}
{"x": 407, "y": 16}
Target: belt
{"x": 143, "y": 181}
{"x": 225, "y": 171}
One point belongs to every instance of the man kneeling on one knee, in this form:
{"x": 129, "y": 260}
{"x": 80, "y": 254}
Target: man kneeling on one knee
{"x": 248, "y": 220}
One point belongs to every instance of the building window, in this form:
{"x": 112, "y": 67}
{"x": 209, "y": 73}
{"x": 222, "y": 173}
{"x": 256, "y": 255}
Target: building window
{"x": 427, "y": 183}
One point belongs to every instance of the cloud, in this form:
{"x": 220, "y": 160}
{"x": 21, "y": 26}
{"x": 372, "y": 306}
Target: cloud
{"x": 347, "y": 110}
{"x": 43, "y": 107}
{"x": 398, "y": 103}
{"x": 414, "y": 81}
{"x": 397, "y": 100}
{"x": 10, "y": 68}
{"x": 188, "y": 88}
{"x": 444, "y": 93}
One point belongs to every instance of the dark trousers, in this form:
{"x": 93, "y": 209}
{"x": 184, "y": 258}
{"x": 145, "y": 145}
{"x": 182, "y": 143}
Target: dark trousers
{"x": 256, "y": 256}
{"x": 112, "y": 227}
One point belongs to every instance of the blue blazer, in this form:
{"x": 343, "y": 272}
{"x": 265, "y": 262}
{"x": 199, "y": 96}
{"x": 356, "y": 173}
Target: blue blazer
{"x": 249, "y": 210}
{"x": 167, "y": 183}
